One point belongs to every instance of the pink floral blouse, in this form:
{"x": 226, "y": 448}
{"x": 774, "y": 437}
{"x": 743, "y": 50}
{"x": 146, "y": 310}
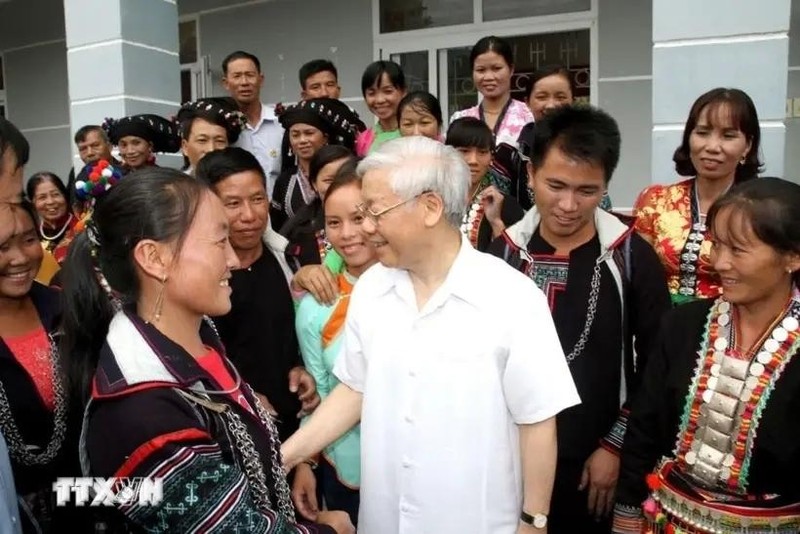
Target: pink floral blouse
{"x": 517, "y": 116}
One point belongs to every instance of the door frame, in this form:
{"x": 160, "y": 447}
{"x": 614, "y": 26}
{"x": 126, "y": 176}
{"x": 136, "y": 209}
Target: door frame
{"x": 433, "y": 40}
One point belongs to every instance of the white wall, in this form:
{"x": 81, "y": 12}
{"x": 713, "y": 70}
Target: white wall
{"x": 37, "y": 102}
{"x": 284, "y": 34}
{"x": 625, "y": 90}
{"x": 792, "y": 164}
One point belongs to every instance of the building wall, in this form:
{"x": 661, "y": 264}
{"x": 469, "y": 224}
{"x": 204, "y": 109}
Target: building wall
{"x": 625, "y": 58}
{"x": 792, "y": 165}
{"x": 37, "y": 97}
{"x": 283, "y": 38}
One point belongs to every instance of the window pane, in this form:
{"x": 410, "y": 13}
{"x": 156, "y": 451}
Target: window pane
{"x": 2, "y": 80}
{"x": 403, "y": 15}
{"x": 461, "y": 91}
{"x": 186, "y": 86}
{"x": 2, "y": 110}
{"x": 509, "y": 9}
{"x": 570, "y": 49}
{"x": 415, "y": 67}
{"x": 187, "y": 34}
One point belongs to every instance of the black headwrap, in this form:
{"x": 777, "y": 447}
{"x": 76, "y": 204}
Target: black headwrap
{"x": 158, "y": 130}
{"x": 221, "y": 111}
{"x": 333, "y": 117}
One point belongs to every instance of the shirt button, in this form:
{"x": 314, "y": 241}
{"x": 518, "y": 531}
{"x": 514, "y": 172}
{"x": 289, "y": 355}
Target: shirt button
{"x": 412, "y": 373}
{"x": 409, "y": 419}
{"x": 404, "y": 508}
{"x": 406, "y": 463}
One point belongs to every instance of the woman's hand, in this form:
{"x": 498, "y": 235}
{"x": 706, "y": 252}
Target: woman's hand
{"x": 340, "y": 521}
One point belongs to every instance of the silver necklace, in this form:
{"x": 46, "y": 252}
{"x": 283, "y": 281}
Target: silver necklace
{"x": 30, "y": 454}
{"x": 60, "y": 232}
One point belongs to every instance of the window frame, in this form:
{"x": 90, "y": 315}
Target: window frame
{"x": 3, "y": 101}
{"x": 433, "y": 40}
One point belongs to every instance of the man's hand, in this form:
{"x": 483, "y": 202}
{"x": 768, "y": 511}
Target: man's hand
{"x": 492, "y": 201}
{"x": 600, "y": 473}
{"x": 340, "y": 521}
{"x": 304, "y": 492}
{"x": 302, "y": 383}
{"x": 317, "y": 280}
{"x": 525, "y": 528}
{"x": 267, "y": 405}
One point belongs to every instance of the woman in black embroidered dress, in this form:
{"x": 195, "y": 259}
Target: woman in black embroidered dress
{"x": 163, "y": 400}
{"x": 733, "y": 403}
{"x": 35, "y": 417}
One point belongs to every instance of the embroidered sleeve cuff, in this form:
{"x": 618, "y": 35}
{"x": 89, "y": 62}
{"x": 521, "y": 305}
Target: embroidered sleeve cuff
{"x": 612, "y": 442}
{"x": 627, "y": 520}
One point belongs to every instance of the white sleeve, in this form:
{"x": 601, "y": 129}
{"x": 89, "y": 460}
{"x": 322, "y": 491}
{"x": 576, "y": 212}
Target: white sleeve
{"x": 351, "y": 366}
{"x": 537, "y": 381}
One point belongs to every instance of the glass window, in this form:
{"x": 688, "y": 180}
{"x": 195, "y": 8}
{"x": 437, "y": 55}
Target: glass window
{"x": 570, "y": 49}
{"x": 187, "y": 35}
{"x": 2, "y": 77}
{"x": 461, "y": 91}
{"x": 186, "y": 86}
{"x": 404, "y": 15}
{"x": 510, "y": 9}
{"x": 415, "y": 67}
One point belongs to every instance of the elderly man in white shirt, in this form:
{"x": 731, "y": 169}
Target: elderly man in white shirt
{"x": 451, "y": 363}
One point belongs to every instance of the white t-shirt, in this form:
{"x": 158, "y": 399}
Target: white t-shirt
{"x": 264, "y": 141}
{"x": 443, "y": 392}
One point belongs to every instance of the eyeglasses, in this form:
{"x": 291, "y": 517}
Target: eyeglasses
{"x": 376, "y": 216}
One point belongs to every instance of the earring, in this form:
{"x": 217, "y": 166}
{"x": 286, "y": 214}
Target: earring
{"x": 159, "y": 301}
{"x": 743, "y": 160}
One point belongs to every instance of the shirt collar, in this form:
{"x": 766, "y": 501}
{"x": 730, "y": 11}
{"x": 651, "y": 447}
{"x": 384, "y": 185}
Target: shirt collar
{"x": 267, "y": 115}
{"x": 461, "y": 280}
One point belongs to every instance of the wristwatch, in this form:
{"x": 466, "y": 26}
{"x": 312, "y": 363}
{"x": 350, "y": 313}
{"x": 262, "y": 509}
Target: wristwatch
{"x": 535, "y": 520}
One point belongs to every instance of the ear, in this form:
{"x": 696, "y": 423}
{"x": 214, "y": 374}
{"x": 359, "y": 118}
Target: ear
{"x": 792, "y": 262}
{"x": 184, "y": 144}
{"x": 531, "y": 174}
{"x": 303, "y": 95}
{"x": 434, "y": 209}
{"x": 153, "y": 258}
{"x": 747, "y": 150}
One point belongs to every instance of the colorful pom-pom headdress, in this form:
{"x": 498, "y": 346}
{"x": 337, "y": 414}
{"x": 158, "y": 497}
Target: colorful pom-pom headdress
{"x": 99, "y": 178}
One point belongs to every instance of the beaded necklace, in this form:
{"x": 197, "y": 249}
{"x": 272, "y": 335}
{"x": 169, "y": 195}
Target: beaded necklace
{"x": 727, "y": 383}
{"x": 471, "y": 222}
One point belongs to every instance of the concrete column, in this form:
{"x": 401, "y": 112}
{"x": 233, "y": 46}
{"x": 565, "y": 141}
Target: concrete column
{"x": 718, "y": 43}
{"x": 122, "y": 59}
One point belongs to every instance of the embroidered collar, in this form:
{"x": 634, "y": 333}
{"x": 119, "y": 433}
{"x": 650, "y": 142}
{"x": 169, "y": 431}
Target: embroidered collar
{"x": 137, "y": 356}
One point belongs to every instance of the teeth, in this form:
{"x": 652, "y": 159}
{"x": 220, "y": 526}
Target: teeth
{"x": 224, "y": 283}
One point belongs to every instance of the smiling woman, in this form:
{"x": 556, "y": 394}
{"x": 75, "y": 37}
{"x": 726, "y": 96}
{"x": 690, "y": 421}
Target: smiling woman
{"x": 56, "y": 220}
{"x": 31, "y": 385}
{"x": 720, "y": 147}
{"x": 742, "y": 382}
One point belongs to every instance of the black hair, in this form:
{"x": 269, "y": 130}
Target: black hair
{"x": 40, "y": 177}
{"x": 583, "y": 133}
{"x": 219, "y": 164}
{"x": 11, "y": 138}
{"x": 152, "y": 203}
{"x": 494, "y": 44}
{"x": 374, "y": 71}
{"x": 770, "y": 207}
{"x": 240, "y": 54}
{"x": 743, "y": 117}
{"x": 468, "y": 132}
{"x": 187, "y": 116}
{"x": 325, "y": 155}
{"x": 421, "y": 101}
{"x": 346, "y": 175}
{"x": 315, "y": 66}
{"x": 80, "y": 135}
{"x": 546, "y": 72}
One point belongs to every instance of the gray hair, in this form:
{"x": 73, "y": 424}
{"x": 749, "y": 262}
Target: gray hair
{"x": 417, "y": 164}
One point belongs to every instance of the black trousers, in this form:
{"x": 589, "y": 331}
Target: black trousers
{"x": 568, "y": 506}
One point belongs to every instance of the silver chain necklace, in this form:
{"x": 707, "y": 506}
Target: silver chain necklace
{"x": 251, "y": 460}
{"x": 17, "y": 448}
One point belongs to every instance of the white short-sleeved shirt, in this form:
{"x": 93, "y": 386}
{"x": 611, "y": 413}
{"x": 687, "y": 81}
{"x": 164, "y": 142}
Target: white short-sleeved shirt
{"x": 443, "y": 392}
{"x": 264, "y": 141}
